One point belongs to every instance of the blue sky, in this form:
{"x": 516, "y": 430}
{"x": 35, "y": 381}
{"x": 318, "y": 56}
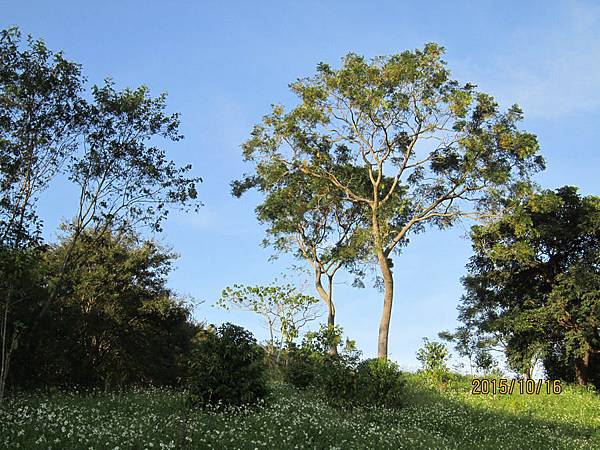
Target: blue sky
{"x": 223, "y": 63}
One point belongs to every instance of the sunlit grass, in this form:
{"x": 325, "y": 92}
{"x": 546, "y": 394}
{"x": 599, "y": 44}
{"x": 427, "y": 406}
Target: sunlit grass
{"x": 447, "y": 416}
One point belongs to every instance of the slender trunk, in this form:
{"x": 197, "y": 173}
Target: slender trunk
{"x": 4, "y": 362}
{"x": 327, "y": 297}
{"x": 527, "y": 373}
{"x": 333, "y": 350}
{"x": 388, "y": 297}
{"x": 385, "y": 265}
{"x": 582, "y": 368}
{"x": 7, "y": 347}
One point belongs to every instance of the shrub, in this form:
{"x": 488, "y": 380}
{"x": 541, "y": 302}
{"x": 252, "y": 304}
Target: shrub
{"x": 335, "y": 377}
{"x": 227, "y": 367}
{"x": 300, "y": 367}
{"x": 379, "y": 382}
{"x": 324, "y": 340}
{"x": 342, "y": 379}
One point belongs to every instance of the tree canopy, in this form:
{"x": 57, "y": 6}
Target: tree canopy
{"x": 533, "y": 282}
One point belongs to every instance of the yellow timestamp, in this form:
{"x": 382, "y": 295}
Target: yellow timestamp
{"x": 484, "y": 386}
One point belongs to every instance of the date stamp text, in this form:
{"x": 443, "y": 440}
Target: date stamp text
{"x": 484, "y": 386}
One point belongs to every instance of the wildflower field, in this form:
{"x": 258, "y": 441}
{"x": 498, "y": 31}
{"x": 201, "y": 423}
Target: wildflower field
{"x": 443, "y": 417}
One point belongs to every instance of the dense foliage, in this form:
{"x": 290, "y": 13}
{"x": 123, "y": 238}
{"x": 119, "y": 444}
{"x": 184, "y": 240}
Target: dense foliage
{"x": 342, "y": 378}
{"x": 534, "y": 284}
{"x": 116, "y": 323}
{"x": 226, "y": 367}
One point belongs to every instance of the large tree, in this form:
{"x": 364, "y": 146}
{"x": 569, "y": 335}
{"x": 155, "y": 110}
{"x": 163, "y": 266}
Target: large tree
{"x": 401, "y": 139}
{"x": 40, "y": 117}
{"x": 125, "y": 180}
{"x": 534, "y": 282}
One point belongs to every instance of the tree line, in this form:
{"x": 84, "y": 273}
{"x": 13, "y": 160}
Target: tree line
{"x": 372, "y": 154}
{"x": 85, "y": 307}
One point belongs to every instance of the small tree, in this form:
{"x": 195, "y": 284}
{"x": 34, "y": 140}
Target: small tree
{"x": 470, "y": 344}
{"x": 485, "y": 362}
{"x": 307, "y": 217}
{"x": 116, "y": 323}
{"x": 284, "y": 310}
{"x": 433, "y": 356}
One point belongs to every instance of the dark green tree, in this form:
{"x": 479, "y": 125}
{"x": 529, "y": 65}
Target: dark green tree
{"x": 115, "y": 322}
{"x": 399, "y": 138}
{"x": 534, "y": 282}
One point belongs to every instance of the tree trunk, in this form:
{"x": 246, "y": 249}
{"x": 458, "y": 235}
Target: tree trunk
{"x": 327, "y": 297}
{"x": 582, "y": 368}
{"x": 527, "y": 373}
{"x": 7, "y": 346}
{"x": 388, "y": 297}
{"x": 4, "y": 354}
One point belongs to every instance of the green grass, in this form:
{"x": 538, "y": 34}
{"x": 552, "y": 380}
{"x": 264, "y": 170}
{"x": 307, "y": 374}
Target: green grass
{"x": 446, "y": 417}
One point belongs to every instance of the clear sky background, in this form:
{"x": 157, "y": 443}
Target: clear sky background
{"x": 224, "y": 62}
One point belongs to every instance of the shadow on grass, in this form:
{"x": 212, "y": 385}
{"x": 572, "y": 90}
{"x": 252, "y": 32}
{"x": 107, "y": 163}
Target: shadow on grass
{"x": 510, "y": 423}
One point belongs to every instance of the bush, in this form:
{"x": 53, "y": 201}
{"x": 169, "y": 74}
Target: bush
{"x": 227, "y": 367}
{"x": 344, "y": 382}
{"x": 379, "y": 382}
{"x": 433, "y": 356}
{"x": 323, "y": 341}
{"x": 300, "y": 367}
{"x": 342, "y": 379}
{"x": 335, "y": 377}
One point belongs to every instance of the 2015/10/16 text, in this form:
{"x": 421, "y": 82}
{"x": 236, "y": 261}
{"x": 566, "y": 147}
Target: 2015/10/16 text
{"x": 484, "y": 386}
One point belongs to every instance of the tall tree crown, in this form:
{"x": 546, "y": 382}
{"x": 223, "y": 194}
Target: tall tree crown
{"x": 399, "y": 130}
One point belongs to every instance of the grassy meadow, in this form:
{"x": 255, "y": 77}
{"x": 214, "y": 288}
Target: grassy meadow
{"x": 444, "y": 417}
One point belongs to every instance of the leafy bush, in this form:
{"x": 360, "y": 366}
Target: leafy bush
{"x": 300, "y": 367}
{"x": 433, "y": 356}
{"x": 335, "y": 377}
{"x": 346, "y": 382}
{"x": 227, "y": 367}
{"x": 379, "y": 382}
{"x": 324, "y": 340}
{"x": 342, "y": 378}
